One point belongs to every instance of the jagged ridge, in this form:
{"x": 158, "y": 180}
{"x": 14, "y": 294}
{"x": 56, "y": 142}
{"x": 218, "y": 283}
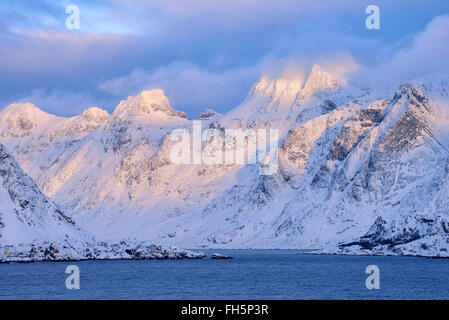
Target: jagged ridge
{"x": 348, "y": 157}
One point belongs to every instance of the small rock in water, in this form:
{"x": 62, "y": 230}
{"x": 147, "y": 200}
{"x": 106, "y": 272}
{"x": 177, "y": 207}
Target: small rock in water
{"x": 219, "y": 256}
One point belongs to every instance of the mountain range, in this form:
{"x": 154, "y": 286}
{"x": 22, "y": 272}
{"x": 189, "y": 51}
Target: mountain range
{"x": 34, "y": 228}
{"x": 360, "y": 170}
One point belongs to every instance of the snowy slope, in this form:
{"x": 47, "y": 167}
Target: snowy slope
{"x": 26, "y": 214}
{"x": 33, "y": 228}
{"x": 357, "y": 168}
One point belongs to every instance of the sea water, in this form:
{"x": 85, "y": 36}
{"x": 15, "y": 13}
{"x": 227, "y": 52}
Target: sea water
{"x": 252, "y": 274}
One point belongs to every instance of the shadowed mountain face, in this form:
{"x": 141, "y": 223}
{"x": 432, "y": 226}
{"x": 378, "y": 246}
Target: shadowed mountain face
{"x": 360, "y": 171}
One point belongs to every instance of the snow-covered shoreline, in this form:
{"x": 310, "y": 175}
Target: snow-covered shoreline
{"x": 384, "y": 251}
{"x": 78, "y": 251}
{"x": 374, "y": 254}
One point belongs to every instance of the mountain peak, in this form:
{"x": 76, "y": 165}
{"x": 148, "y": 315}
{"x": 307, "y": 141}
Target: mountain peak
{"x": 207, "y": 114}
{"x": 320, "y": 81}
{"x": 148, "y": 101}
{"x": 275, "y": 88}
{"x": 95, "y": 114}
{"x": 154, "y": 96}
{"x": 316, "y": 68}
{"x": 25, "y": 109}
{"x": 21, "y": 119}
{"x": 268, "y": 98}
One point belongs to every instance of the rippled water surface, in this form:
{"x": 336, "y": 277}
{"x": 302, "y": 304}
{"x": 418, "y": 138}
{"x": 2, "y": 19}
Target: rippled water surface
{"x": 252, "y": 274}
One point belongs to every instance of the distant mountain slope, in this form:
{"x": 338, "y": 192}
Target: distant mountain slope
{"x": 359, "y": 170}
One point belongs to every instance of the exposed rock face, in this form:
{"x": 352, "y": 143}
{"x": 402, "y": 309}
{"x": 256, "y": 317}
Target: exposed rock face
{"x": 359, "y": 171}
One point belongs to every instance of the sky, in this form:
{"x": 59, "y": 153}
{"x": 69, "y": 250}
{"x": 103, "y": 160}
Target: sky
{"x": 206, "y": 53}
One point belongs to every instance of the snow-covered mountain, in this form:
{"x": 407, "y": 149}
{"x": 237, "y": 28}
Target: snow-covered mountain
{"x": 360, "y": 171}
{"x": 26, "y": 214}
{"x": 33, "y": 228}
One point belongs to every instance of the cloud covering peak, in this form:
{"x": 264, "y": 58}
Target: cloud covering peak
{"x": 205, "y": 54}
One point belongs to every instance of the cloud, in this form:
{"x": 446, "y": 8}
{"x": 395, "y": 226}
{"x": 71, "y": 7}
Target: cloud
{"x": 188, "y": 86}
{"x": 53, "y": 57}
{"x": 427, "y": 53}
{"x": 239, "y": 15}
{"x": 204, "y": 53}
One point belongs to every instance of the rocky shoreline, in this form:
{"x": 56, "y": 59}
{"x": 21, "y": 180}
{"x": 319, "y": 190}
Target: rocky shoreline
{"x": 77, "y": 251}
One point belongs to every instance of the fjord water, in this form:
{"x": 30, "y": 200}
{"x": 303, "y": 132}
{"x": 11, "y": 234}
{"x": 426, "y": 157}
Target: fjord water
{"x": 252, "y": 274}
